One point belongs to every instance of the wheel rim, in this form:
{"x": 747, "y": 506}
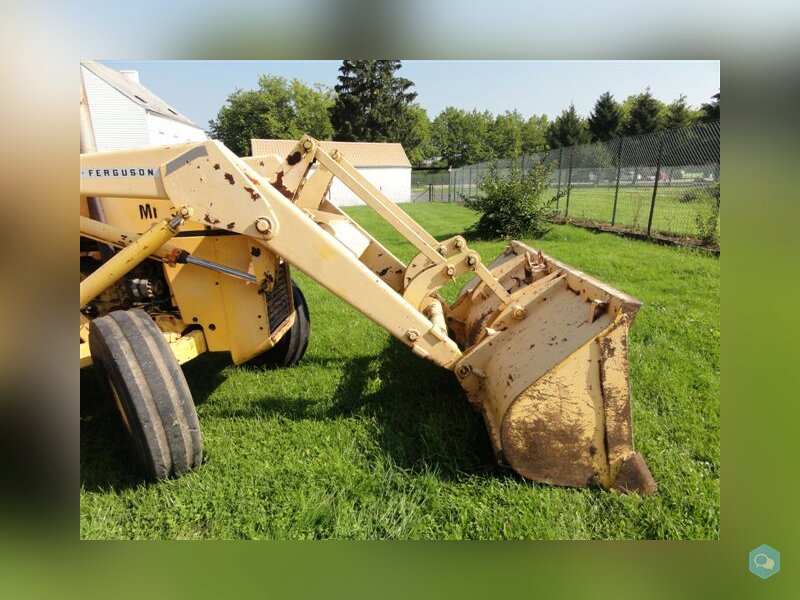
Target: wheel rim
{"x": 118, "y": 402}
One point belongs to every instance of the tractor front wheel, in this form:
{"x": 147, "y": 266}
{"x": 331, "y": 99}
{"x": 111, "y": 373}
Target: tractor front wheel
{"x": 150, "y": 391}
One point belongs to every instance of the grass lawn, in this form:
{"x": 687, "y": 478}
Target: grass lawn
{"x": 365, "y": 440}
{"x": 670, "y": 215}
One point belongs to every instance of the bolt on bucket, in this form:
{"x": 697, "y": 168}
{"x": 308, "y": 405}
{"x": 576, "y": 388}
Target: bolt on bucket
{"x": 549, "y": 373}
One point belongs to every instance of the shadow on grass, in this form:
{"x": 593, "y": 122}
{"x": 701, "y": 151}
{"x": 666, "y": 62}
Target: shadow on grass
{"x": 422, "y": 415}
{"x": 423, "y": 419}
{"x": 471, "y": 235}
{"x": 107, "y": 461}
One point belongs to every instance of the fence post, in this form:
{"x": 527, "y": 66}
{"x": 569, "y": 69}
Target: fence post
{"x": 619, "y": 172}
{"x": 430, "y": 192}
{"x": 655, "y": 185}
{"x": 450, "y": 183}
{"x": 469, "y": 187}
{"x": 474, "y": 177}
{"x": 569, "y": 178}
{"x": 560, "y": 165}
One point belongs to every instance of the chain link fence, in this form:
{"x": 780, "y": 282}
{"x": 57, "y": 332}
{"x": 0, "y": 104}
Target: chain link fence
{"x": 430, "y": 185}
{"x": 664, "y": 183}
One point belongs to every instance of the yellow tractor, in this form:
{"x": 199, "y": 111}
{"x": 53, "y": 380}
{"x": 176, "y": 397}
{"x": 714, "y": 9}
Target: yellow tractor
{"x": 188, "y": 248}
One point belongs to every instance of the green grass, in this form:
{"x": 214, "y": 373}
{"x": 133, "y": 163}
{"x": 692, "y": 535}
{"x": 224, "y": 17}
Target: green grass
{"x": 365, "y": 440}
{"x": 670, "y": 215}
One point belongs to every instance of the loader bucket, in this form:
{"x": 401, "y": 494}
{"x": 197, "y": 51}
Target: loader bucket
{"x": 551, "y": 379}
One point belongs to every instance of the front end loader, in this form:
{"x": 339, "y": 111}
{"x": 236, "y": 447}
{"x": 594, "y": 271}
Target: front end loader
{"x": 189, "y": 248}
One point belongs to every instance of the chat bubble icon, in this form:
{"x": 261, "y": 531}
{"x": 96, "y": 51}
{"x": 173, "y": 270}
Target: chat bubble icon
{"x": 765, "y": 561}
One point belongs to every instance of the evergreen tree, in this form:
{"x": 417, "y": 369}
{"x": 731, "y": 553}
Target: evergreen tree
{"x": 678, "y": 114}
{"x": 373, "y": 103}
{"x": 644, "y": 114}
{"x": 710, "y": 110}
{"x": 568, "y": 129}
{"x": 605, "y": 120}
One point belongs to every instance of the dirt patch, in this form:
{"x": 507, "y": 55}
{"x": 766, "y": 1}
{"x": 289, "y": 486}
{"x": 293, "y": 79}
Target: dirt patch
{"x": 658, "y": 237}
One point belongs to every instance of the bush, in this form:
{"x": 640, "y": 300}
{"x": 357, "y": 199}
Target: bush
{"x": 700, "y": 193}
{"x": 708, "y": 223}
{"x": 512, "y": 204}
{"x": 707, "y": 198}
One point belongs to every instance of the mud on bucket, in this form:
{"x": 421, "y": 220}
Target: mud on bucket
{"x": 551, "y": 379}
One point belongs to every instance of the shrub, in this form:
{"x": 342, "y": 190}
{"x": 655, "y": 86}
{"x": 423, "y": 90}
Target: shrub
{"x": 707, "y": 218}
{"x": 699, "y": 193}
{"x": 707, "y": 221}
{"x": 513, "y": 203}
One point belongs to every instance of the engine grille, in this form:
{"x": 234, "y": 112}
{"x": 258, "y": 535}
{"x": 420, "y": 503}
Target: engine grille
{"x": 279, "y": 300}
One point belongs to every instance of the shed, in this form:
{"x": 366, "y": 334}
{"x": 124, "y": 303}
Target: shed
{"x": 385, "y": 165}
{"x": 125, "y": 114}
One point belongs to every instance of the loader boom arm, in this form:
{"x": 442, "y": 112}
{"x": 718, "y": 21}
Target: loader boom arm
{"x": 539, "y": 347}
{"x": 223, "y": 192}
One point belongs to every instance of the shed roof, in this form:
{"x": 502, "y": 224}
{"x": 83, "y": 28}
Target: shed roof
{"x": 359, "y": 154}
{"x": 136, "y": 92}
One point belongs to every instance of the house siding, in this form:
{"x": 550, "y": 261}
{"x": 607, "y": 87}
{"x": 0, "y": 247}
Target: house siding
{"x": 118, "y": 123}
{"x": 394, "y": 182}
{"x": 169, "y": 131}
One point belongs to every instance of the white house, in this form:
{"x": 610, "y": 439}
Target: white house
{"x": 125, "y": 114}
{"x": 385, "y": 165}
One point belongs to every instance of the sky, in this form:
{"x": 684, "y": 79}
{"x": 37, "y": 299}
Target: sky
{"x": 199, "y": 88}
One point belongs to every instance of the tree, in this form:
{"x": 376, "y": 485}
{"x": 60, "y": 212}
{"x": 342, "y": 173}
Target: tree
{"x": 505, "y": 134}
{"x": 534, "y": 134}
{"x": 373, "y": 104}
{"x": 312, "y": 106}
{"x": 710, "y": 110}
{"x": 420, "y": 147}
{"x": 277, "y": 109}
{"x": 605, "y": 120}
{"x": 461, "y": 137}
{"x": 568, "y": 129}
{"x": 644, "y": 114}
{"x": 678, "y": 114}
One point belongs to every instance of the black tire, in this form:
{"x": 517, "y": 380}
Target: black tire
{"x": 291, "y": 348}
{"x": 148, "y": 386}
